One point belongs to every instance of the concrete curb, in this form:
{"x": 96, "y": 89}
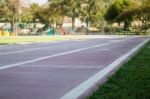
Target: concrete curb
{"x": 84, "y": 89}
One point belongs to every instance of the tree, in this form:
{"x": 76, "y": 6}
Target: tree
{"x": 58, "y": 10}
{"x": 116, "y": 8}
{"x": 137, "y": 13}
{"x": 114, "y": 12}
{"x": 74, "y": 7}
{"x": 13, "y": 7}
{"x": 10, "y": 10}
{"x": 66, "y": 8}
{"x": 144, "y": 16}
{"x": 92, "y": 11}
{"x": 2, "y": 10}
{"x": 52, "y": 14}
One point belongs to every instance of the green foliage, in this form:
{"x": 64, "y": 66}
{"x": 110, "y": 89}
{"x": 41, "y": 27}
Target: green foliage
{"x": 89, "y": 11}
{"x": 92, "y": 12}
{"x": 137, "y": 13}
{"x": 27, "y": 15}
{"x": 53, "y": 14}
{"x": 10, "y": 11}
{"x": 116, "y": 8}
{"x": 58, "y": 9}
{"x": 74, "y": 8}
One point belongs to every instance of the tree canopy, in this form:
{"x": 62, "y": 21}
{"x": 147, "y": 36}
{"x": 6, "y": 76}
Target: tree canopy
{"x": 138, "y": 13}
{"x": 116, "y": 9}
{"x": 92, "y": 12}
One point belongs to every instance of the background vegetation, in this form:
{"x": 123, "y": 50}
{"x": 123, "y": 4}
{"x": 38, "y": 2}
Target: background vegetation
{"x": 133, "y": 14}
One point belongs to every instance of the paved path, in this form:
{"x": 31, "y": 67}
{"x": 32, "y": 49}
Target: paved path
{"x": 51, "y": 70}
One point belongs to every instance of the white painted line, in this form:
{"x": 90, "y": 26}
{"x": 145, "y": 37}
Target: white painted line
{"x": 55, "y": 42}
{"x": 82, "y": 88}
{"x": 52, "y": 56}
{"x": 33, "y": 49}
{"x": 26, "y": 50}
{"x": 68, "y": 66}
{"x": 106, "y": 49}
{"x": 56, "y": 55}
{"x": 20, "y": 51}
{"x": 31, "y": 44}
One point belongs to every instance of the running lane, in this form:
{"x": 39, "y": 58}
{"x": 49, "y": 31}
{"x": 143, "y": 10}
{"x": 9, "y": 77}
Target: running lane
{"x": 51, "y": 72}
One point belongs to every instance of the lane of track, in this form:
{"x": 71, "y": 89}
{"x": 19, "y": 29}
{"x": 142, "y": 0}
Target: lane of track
{"x": 52, "y": 78}
{"x": 14, "y": 47}
{"x": 25, "y": 48}
{"x": 30, "y": 55}
{"x": 7, "y": 58}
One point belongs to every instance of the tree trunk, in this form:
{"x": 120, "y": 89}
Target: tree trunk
{"x": 61, "y": 21}
{"x": 73, "y": 19}
{"x": 13, "y": 25}
{"x": 87, "y": 23}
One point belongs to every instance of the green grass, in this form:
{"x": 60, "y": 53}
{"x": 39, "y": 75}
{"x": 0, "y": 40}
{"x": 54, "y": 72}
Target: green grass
{"x": 28, "y": 39}
{"x": 131, "y": 81}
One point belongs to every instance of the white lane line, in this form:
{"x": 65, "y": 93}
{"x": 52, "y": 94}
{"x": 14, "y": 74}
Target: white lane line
{"x": 28, "y": 45}
{"x": 60, "y": 54}
{"x": 56, "y": 55}
{"x": 66, "y": 66}
{"x": 26, "y": 50}
{"x": 55, "y": 42}
{"x": 45, "y": 43}
{"x": 33, "y": 49}
{"x": 105, "y": 49}
{"x": 83, "y": 87}
{"x": 20, "y": 51}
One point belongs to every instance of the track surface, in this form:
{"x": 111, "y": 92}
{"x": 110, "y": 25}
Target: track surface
{"x": 50, "y": 70}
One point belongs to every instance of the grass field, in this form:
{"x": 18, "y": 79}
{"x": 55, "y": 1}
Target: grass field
{"x": 28, "y": 39}
{"x": 132, "y": 80}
